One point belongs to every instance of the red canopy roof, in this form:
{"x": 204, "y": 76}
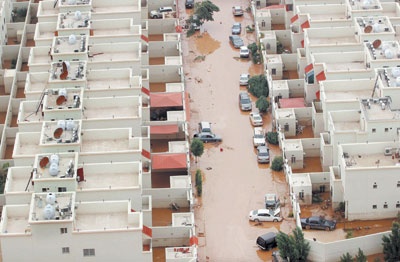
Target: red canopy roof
{"x": 165, "y": 99}
{"x": 308, "y": 68}
{"x": 321, "y": 76}
{"x": 168, "y": 161}
{"x": 291, "y": 102}
{"x": 163, "y": 130}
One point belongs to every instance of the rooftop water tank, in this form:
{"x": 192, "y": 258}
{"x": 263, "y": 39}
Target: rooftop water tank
{"x": 62, "y": 92}
{"x": 70, "y": 125}
{"x": 398, "y": 81}
{"x": 389, "y": 54}
{"x": 78, "y": 15}
{"x": 396, "y": 71}
{"x": 49, "y": 212}
{"x": 377, "y": 28}
{"x": 72, "y": 39}
{"x": 54, "y": 158}
{"x": 61, "y": 124}
{"x": 385, "y": 46}
{"x": 53, "y": 169}
{"x": 50, "y": 198}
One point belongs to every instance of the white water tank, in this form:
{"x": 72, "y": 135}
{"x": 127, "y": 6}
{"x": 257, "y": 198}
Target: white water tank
{"x": 72, "y": 39}
{"x": 70, "y": 125}
{"x": 54, "y": 158}
{"x": 377, "y": 27}
{"x": 53, "y": 169}
{"x": 385, "y": 46}
{"x": 78, "y": 15}
{"x": 61, "y": 124}
{"x": 62, "y": 92}
{"x": 49, "y": 212}
{"x": 389, "y": 54}
{"x": 396, "y": 72}
{"x": 51, "y": 198}
{"x": 398, "y": 81}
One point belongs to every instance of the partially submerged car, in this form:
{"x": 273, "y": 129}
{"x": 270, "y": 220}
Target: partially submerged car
{"x": 256, "y": 119}
{"x": 237, "y": 10}
{"x": 271, "y": 201}
{"x": 207, "y": 137}
{"x": 244, "y": 79}
{"x": 236, "y": 41}
{"x": 236, "y": 28}
{"x": 267, "y": 241}
{"x": 244, "y": 52}
{"x": 316, "y": 222}
{"x": 263, "y": 154}
{"x": 265, "y": 215}
{"x": 258, "y": 137}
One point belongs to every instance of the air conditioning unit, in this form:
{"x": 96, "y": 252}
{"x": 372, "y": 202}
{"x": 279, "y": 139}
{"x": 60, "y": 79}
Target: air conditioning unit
{"x": 388, "y": 151}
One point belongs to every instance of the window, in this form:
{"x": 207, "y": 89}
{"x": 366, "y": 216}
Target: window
{"x": 398, "y": 183}
{"x": 88, "y": 252}
{"x": 62, "y": 189}
{"x": 301, "y": 194}
{"x": 45, "y": 189}
{"x": 373, "y": 130}
{"x": 398, "y": 204}
{"x": 386, "y": 129}
{"x": 63, "y": 230}
{"x": 375, "y": 186}
{"x": 385, "y": 205}
{"x": 65, "y": 250}
{"x": 286, "y": 127}
{"x": 374, "y": 206}
{"x": 273, "y": 72}
{"x": 293, "y": 159}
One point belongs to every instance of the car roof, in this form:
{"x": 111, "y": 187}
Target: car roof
{"x": 236, "y": 23}
{"x": 244, "y": 47}
{"x": 262, "y": 149}
{"x": 205, "y": 124}
{"x": 243, "y": 94}
{"x": 263, "y": 211}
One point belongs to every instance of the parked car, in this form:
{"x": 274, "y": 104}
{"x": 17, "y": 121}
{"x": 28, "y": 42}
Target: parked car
{"x": 271, "y": 201}
{"x": 244, "y": 101}
{"x": 316, "y": 222}
{"x": 236, "y": 41}
{"x": 267, "y": 241}
{"x": 258, "y": 137}
{"x": 205, "y": 127}
{"x": 276, "y": 257}
{"x": 263, "y": 154}
{"x": 244, "y": 79}
{"x": 189, "y": 3}
{"x": 244, "y": 52}
{"x": 256, "y": 119}
{"x": 207, "y": 137}
{"x": 265, "y": 215}
{"x": 237, "y": 10}
{"x": 236, "y": 28}
{"x": 159, "y": 12}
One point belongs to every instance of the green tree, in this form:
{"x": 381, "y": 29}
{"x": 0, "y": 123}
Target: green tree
{"x": 253, "y": 48}
{"x": 3, "y": 176}
{"x": 277, "y": 163}
{"x": 197, "y": 148}
{"x": 258, "y": 86}
{"x": 360, "y": 257}
{"x": 346, "y": 258}
{"x": 272, "y": 138}
{"x": 205, "y": 11}
{"x": 391, "y": 244}
{"x": 293, "y": 247}
{"x": 262, "y": 104}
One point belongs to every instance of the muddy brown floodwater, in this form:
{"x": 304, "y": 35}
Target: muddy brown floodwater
{"x": 233, "y": 182}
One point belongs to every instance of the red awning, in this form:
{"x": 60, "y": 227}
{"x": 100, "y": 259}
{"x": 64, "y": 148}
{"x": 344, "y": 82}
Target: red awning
{"x": 321, "y": 76}
{"x": 294, "y": 18}
{"x": 306, "y": 24}
{"x": 308, "y": 68}
{"x": 164, "y": 130}
{"x": 165, "y": 99}
{"x": 291, "y": 102}
{"x": 168, "y": 161}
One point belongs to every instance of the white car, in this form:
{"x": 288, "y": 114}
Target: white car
{"x": 244, "y": 79}
{"x": 265, "y": 215}
{"x": 256, "y": 119}
{"x": 244, "y": 52}
{"x": 258, "y": 137}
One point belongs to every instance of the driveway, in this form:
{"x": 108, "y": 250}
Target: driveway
{"x": 233, "y": 182}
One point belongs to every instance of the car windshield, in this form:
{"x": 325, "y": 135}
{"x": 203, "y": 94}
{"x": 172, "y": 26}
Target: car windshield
{"x": 243, "y": 77}
{"x": 245, "y": 100}
{"x": 254, "y": 212}
{"x": 257, "y": 118}
{"x": 263, "y": 154}
{"x": 258, "y": 136}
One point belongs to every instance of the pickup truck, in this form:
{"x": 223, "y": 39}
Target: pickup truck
{"x": 237, "y": 10}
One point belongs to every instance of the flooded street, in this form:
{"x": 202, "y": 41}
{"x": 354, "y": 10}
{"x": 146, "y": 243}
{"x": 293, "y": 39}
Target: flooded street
{"x": 233, "y": 183}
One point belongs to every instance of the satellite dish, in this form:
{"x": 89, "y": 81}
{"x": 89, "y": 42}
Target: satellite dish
{"x": 54, "y": 158}
{"x": 72, "y": 39}
{"x": 43, "y": 162}
{"x": 368, "y": 29}
{"x": 49, "y": 212}
{"x": 396, "y": 72}
{"x": 389, "y": 54}
{"x": 53, "y": 169}
{"x": 377, "y": 28}
{"x": 377, "y": 43}
{"x": 50, "y": 198}
{"x": 60, "y": 100}
{"x": 58, "y": 132}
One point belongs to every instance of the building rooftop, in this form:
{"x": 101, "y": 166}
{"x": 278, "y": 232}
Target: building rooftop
{"x": 73, "y": 20}
{"x": 346, "y": 90}
{"x": 52, "y": 207}
{"x": 301, "y": 179}
{"x": 53, "y": 166}
{"x": 378, "y": 109}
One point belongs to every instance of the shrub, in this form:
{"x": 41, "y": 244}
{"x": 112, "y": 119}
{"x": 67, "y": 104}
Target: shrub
{"x": 258, "y": 86}
{"x": 272, "y": 138}
{"x": 262, "y": 104}
{"x": 199, "y": 182}
{"x": 277, "y": 163}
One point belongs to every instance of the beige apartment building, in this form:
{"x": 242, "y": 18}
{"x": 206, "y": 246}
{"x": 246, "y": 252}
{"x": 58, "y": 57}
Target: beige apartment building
{"x": 93, "y": 109}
